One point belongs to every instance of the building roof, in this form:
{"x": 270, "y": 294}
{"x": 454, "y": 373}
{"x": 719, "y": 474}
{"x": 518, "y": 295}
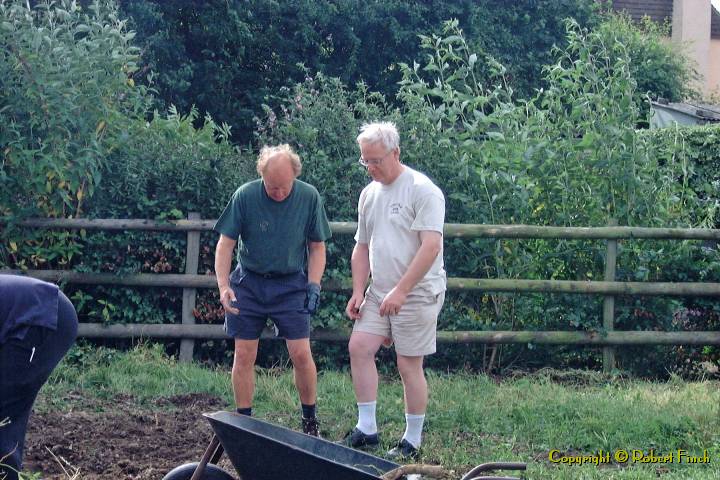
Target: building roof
{"x": 666, "y": 114}
{"x": 660, "y": 11}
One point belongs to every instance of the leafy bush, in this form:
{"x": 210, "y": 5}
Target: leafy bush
{"x": 166, "y": 167}
{"x": 694, "y": 153}
{"x": 78, "y": 144}
{"x": 64, "y": 78}
{"x": 161, "y": 169}
{"x": 570, "y": 156}
{"x": 656, "y": 66}
{"x": 697, "y": 362}
{"x": 65, "y": 92}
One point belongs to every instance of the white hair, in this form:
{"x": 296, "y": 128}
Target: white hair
{"x": 380, "y": 132}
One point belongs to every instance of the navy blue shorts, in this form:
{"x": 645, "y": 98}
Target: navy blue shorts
{"x": 258, "y": 298}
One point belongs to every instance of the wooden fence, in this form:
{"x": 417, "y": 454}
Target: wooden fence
{"x": 190, "y": 281}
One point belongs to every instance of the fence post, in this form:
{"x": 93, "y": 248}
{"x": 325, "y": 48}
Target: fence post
{"x": 192, "y": 257}
{"x": 609, "y": 300}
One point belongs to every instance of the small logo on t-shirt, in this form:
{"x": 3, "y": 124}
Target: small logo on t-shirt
{"x": 395, "y": 208}
{"x": 264, "y": 226}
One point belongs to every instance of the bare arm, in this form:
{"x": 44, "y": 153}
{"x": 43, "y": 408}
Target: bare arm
{"x": 430, "y": 246}
{"x": 223, "y": 263}
{"x": 316, "y": 261}
{"x": 360, "y": 264}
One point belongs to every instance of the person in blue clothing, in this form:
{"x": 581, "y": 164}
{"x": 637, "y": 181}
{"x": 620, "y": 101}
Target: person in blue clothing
{"x": 38, "y": 324}
{"x": 280, "y": 227}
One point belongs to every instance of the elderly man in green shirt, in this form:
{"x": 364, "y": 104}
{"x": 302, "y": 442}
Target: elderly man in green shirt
{"x": 280, "y": 227}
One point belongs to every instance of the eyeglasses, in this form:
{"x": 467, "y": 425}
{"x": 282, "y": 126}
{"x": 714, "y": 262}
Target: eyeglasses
{"x": 374, "y": 163}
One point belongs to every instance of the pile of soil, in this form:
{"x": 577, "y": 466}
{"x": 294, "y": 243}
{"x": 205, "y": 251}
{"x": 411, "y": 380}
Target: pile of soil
{"x": 103, "y": 439}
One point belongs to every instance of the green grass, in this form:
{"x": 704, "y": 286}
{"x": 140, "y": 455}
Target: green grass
{"x": 471, "y": 418}
{"x": 144, "y": 373}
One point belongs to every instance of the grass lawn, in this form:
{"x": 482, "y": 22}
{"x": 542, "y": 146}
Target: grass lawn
{"x": 471, "y": 419}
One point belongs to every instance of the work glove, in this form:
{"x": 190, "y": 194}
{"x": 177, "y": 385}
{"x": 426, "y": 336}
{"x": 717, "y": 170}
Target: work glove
{"x": 312, "y": 298}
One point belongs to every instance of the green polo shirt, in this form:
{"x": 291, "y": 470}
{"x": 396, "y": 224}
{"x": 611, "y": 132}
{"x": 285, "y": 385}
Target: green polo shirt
{"x": 272, "y": 236}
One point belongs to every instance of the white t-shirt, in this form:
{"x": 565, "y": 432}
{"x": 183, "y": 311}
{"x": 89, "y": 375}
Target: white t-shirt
{"x": 390, "y": 219}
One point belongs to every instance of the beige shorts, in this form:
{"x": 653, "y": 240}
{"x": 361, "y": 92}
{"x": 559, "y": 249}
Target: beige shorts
{"x": 413, "y": 329}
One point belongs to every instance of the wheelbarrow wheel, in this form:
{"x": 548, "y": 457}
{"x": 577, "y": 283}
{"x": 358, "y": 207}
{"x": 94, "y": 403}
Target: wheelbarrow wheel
{"x": 185, "y": 472}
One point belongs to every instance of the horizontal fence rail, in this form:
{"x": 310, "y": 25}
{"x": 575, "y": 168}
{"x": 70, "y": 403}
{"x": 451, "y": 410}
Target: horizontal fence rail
{"x": 187, "y": 331}
{"x": 180, "y": 280}
{"x": 452, "y": 230}
{"x": 214, "y": 332}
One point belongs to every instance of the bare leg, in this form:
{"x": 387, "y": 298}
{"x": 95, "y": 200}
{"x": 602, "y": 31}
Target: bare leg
{"x": 304, "y": 370}
{"x": 243, "y": 372}
{"x": 363, "y": 347}
{"x": 414, "y": 384}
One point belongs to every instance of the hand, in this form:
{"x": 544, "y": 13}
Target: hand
{"x": 312, "y": 298}
{"x": 227, "y": 298}
{"x": 353, "y": 306}
{"x": 392, "y": 302}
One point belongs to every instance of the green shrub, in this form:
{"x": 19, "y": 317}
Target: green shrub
{"x": 78, "y": 144}
{"x": 65, "y": 93}
{"x": 655, "y": 64}
{"x": 694, "y": 154}
{"x": 166, "y": 167}
{"x": 162, "y": 169}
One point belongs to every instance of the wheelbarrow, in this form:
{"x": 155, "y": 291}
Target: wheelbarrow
{"x": 259, "y": 450}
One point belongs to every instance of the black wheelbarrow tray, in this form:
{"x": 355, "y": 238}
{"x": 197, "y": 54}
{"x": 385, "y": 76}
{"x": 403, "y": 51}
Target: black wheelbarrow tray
{"x": 259, "y": 450}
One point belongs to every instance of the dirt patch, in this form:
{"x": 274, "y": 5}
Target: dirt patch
{"x": 117, "y": 439}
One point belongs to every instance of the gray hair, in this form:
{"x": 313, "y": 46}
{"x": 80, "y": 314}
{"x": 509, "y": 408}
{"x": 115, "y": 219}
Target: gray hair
{"x": 380, "y": 132}
{"x": 266, "y": 153}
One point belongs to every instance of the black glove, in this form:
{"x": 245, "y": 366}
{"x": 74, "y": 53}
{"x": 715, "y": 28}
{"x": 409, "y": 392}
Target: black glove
{"x": 312, "y": 298}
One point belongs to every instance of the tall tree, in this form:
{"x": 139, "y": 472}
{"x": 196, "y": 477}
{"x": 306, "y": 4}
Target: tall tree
{"x": 228, "y": 57}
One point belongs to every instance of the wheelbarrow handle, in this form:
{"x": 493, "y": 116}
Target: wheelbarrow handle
{"x": 212, "y": 454}
{"x": 494, "y": 478}
{"x": 489, "y": 467}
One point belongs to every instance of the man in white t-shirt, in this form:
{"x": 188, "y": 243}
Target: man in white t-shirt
{"x": 399, "y": 242}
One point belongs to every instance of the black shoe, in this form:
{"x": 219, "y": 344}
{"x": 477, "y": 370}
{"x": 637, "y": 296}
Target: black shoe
{"x": 403, "y": 450}
{"x": 358, "y": 439}
{"x": 310, "y": 426}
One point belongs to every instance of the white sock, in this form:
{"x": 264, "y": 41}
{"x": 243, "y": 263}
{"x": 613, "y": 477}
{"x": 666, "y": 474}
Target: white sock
{"x": 366, "y": 417}
{"x": 413, "y": 429}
